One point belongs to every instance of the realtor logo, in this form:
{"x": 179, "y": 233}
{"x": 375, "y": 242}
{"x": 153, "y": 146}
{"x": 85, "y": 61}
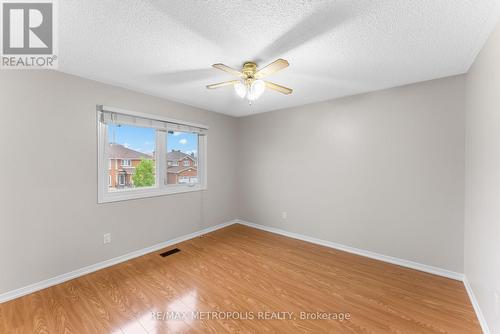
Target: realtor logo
{"x": 28, "y": 34}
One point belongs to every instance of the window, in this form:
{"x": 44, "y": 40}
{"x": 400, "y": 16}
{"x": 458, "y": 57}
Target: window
{"x": 187, "y": 179}
{"x": 147, "y": 150}
{"x": 128, "y": 143}
{"x": 121, "y": 179}
{"x": 182, "y": 146}
{"x": 183, "y": 179}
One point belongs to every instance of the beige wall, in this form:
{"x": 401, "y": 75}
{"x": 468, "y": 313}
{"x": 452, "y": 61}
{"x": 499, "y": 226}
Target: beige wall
{"x": 482, "y": 201}
{"x": 50, "y": 222}
{"x": 382, "y": 171}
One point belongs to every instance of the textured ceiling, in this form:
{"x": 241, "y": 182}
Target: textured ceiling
{"x": 335, "y": 48}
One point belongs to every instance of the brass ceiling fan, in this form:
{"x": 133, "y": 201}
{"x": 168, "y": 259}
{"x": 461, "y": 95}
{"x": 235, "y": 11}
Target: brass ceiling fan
{"x": 250, "y": 83}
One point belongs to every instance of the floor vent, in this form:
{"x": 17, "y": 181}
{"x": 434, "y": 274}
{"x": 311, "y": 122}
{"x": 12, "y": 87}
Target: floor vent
{"x": 170, "y": 252}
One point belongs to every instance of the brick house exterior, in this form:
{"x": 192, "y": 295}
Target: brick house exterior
{"x": 122, "y": 163}
{"x": 181, "y": 168}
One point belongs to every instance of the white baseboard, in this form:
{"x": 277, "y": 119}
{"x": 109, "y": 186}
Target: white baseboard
{"x": 362, "y": 252}
{"x": 477, "y": 309}
{"x": 104, "y": 264}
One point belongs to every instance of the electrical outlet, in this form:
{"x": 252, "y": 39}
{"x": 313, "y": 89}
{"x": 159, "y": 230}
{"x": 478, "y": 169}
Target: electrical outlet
{"x": 284, "y": 215}
{"x": 107, "y": 238}
{"x": 497, "y": 303}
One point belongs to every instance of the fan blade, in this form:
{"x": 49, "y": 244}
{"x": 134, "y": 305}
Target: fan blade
{"x": 222, "y": 84}
{"x": 274, "y": 67}
{"x": 228, "y": 69}
{"x": 278, "y": 88}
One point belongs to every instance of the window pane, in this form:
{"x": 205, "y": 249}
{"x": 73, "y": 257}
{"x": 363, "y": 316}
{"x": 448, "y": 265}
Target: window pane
{"x": 131, "y": 157}
{"x": 182, "y": 158}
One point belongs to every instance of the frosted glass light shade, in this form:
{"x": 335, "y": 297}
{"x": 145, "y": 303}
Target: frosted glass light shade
{"x": 240, "y": 89}
{"x": 256, "y": 89}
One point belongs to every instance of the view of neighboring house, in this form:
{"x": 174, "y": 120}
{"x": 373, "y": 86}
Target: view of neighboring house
{"x": 122, "y": 164}
{"x": 181, "y": 167}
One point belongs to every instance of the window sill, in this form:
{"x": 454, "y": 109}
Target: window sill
{"x": 126, "y": 195}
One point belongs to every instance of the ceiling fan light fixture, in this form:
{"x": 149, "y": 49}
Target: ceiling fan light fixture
{"x": 249, "y": 84}
{"x": 256, "y": 89}
{"x": 240, "y": 89}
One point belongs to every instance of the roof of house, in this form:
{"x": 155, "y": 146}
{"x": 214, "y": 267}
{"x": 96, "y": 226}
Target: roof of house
{"x": 178, "y": 169}
{"x": 178, "y": 155}
{"x": 117, "y": 151}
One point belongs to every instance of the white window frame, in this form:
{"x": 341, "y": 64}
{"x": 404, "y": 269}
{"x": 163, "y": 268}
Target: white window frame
{"x": 160, "y": 188}
{"x": 126, "y": 164}
{"x": 186, "y": 163}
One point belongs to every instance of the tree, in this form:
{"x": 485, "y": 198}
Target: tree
{"x": 144, "y": 174}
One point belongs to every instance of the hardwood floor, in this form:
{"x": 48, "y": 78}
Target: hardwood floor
{"x": 248, "y": 272}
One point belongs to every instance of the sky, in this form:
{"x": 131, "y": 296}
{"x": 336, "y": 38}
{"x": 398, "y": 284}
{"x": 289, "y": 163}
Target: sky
{"x": 143, "y": 139}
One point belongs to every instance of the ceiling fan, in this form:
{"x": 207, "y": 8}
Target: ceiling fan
{"x": 250, "y": 84}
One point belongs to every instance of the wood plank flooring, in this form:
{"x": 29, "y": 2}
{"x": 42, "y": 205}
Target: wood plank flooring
{"x": 218, "y": 282}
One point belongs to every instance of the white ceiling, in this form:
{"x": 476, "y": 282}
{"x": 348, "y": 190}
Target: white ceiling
{"x": 335, "y": 48}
